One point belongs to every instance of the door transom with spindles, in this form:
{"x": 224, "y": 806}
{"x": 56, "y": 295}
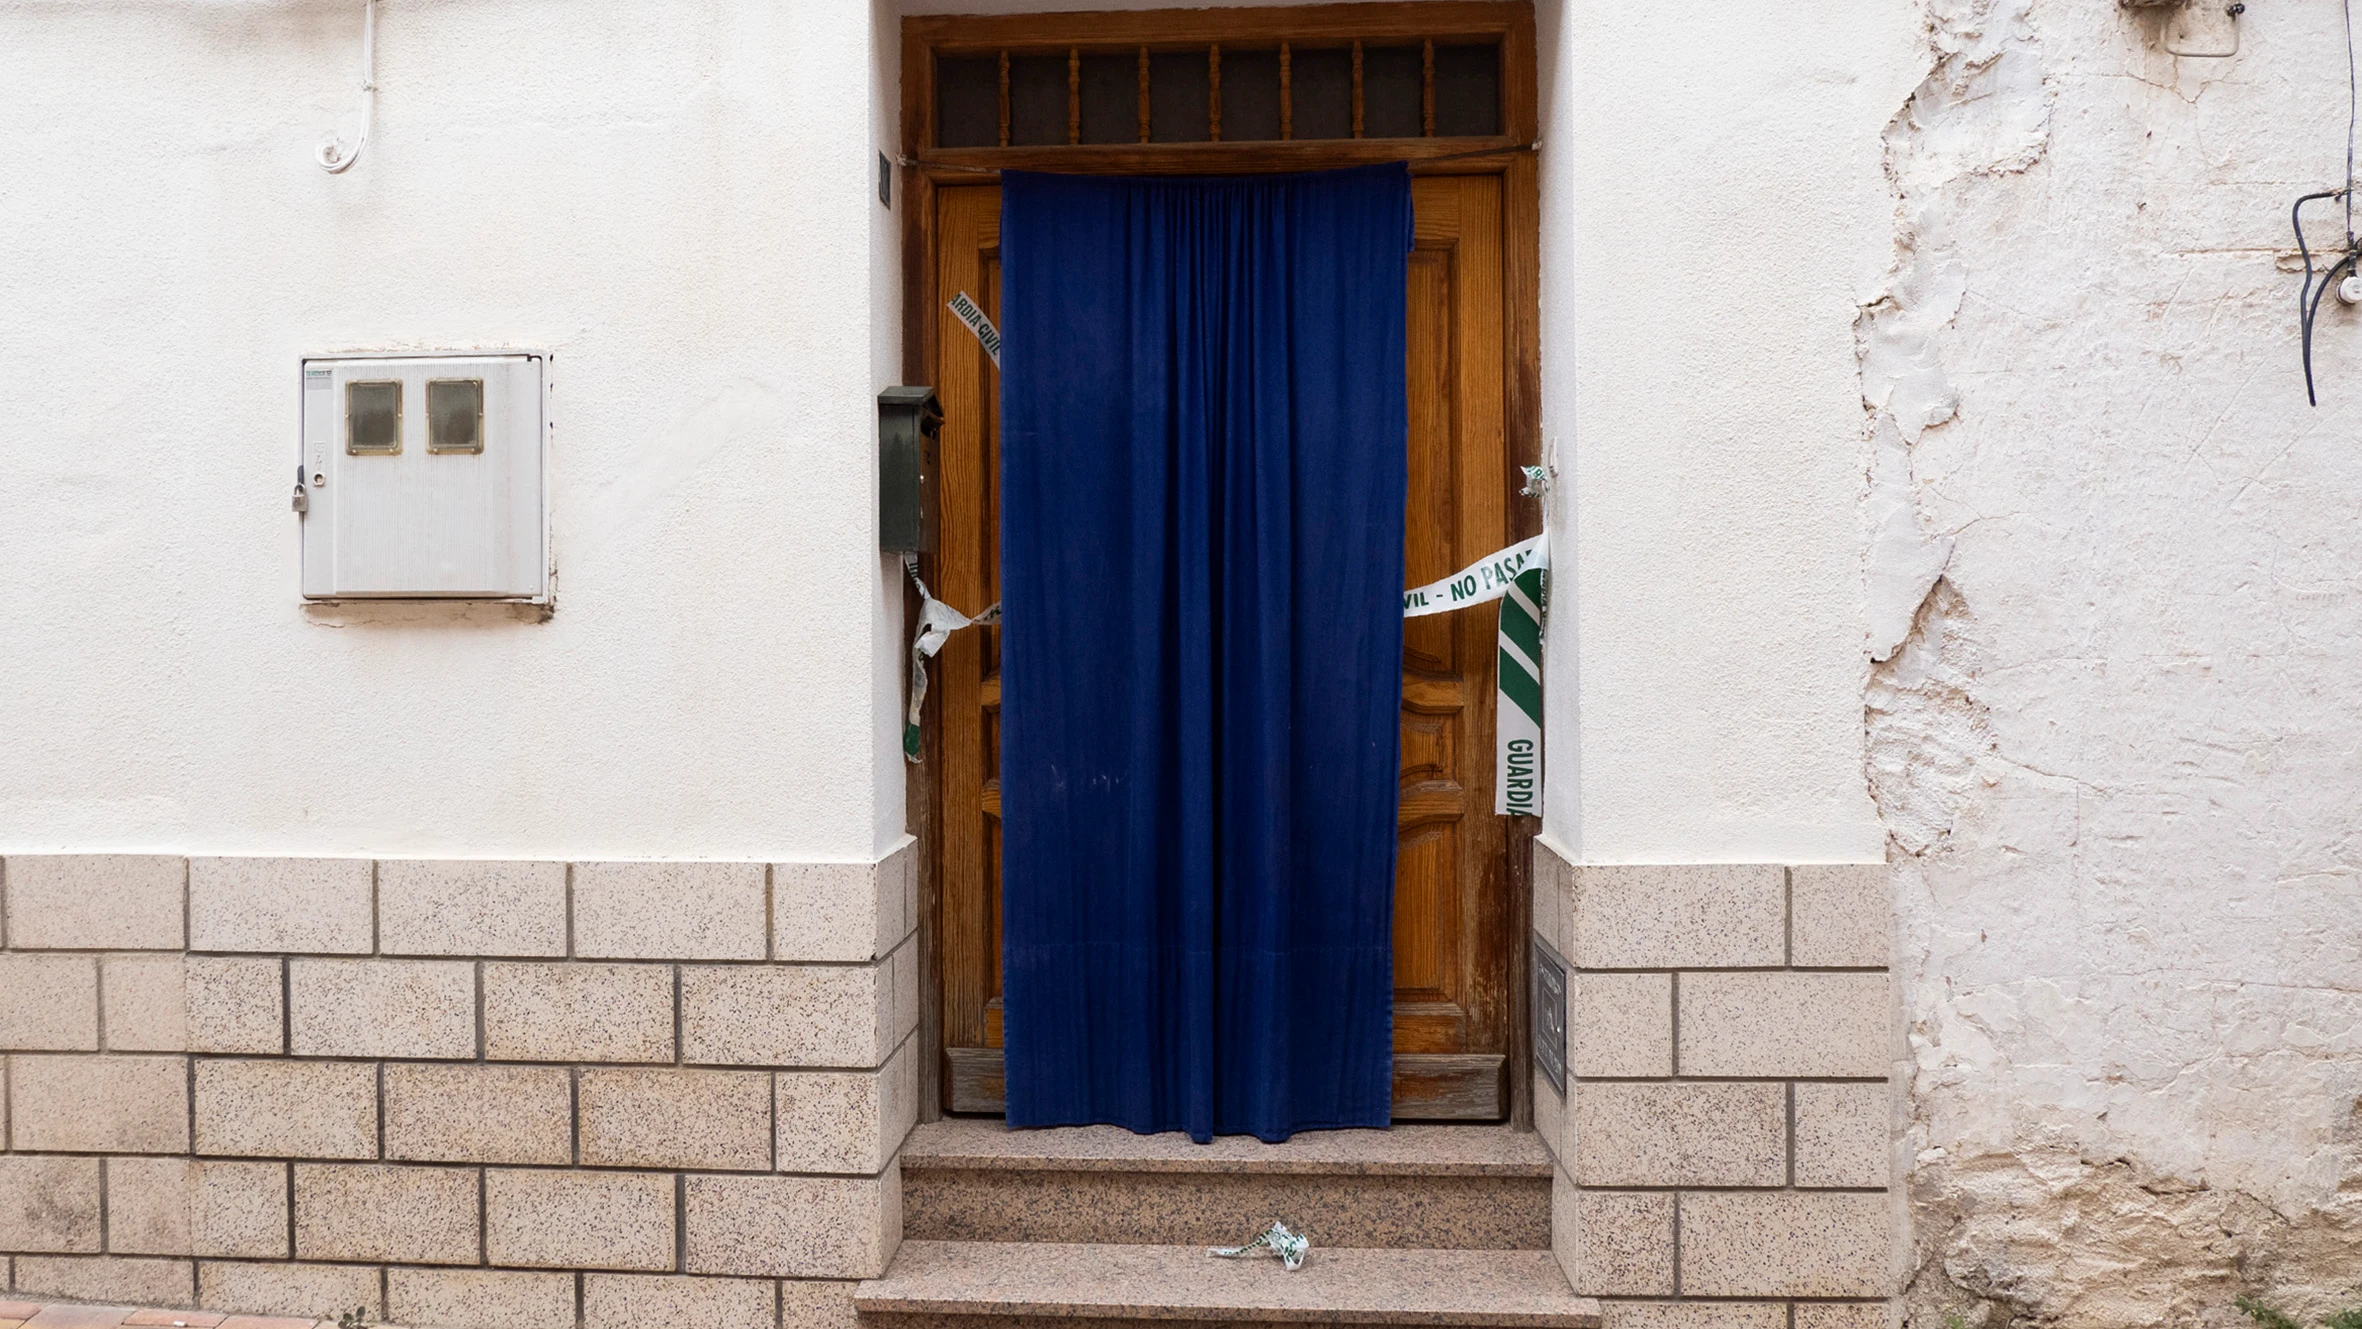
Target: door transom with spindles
{"x": 1448, "y": 86}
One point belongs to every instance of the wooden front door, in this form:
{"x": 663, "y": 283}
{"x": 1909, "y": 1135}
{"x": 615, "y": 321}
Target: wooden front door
{"x": 1454, "y": 922}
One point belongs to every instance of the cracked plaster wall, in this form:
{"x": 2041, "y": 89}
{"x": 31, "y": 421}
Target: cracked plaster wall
{"x": 2115, "y": 732}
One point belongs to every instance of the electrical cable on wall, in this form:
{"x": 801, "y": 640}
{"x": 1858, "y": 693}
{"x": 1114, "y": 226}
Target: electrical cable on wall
{"x": 334, "y": 155}
{"x": 2345, "y": 275}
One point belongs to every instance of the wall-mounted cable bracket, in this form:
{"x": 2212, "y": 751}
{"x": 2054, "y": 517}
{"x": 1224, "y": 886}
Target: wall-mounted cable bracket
{"x": 2231, "y": 11}
{"x": 334, "y": 154}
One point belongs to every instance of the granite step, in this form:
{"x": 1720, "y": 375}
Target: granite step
{"x": 1052, "y": 1285}
{"x": 1412, "y": 1187}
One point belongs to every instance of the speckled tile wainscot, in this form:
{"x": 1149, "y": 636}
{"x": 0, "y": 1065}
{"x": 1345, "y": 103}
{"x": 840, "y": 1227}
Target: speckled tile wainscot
{"x": 381, "y": 1008}
{"x": 384, "y": 1211}
{"x": 478, "y": 1114}
{"x": 287, "y": 1109}
{"x": 675, "y": 1119}
{"x": 105, "y": 902}
{"x": 670, "y": 911}
{"x": 578, "y": 1012}
{"x": 586, "y": 1220}
{"x": 639, "y": 1301}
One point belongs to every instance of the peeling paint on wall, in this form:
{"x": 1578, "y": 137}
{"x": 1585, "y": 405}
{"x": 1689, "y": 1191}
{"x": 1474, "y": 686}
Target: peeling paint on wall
{"x": 2112, "y": 729}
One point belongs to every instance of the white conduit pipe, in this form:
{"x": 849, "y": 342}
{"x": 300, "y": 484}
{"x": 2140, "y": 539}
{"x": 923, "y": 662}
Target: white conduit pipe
{"x": 334, "y": 156}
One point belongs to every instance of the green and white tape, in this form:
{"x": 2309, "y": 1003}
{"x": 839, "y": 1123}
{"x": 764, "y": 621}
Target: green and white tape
{"x": 1517, "y": 577}
{"x": 937, "y": 621}
{"x": 965, "y": 310}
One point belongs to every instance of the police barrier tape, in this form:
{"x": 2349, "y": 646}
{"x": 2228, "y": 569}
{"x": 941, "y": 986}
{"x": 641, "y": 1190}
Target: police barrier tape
{"x": 1516, "y": 576}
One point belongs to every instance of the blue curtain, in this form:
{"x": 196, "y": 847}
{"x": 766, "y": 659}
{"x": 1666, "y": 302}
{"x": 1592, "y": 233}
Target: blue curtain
{"x": 1203, "y": 446}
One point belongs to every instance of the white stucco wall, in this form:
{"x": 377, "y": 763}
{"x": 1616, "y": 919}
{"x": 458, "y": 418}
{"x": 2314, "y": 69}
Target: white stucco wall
{"x": 677, "y": 201}
{"x": 1713, "y": 201}
{"x": 2117, "y": 743}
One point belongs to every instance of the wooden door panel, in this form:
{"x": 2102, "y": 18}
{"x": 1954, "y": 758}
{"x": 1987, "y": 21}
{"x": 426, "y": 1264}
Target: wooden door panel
{"x": 1452, "y": 963}
{"x": 1451, "y": 1007}
{"x": 965, "y": 689}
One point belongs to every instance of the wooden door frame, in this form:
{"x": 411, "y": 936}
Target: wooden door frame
{"x": 1510, "y": 155}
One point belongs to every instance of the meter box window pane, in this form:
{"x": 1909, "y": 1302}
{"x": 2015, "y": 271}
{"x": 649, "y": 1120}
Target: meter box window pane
{"x": 423, "y": 478}
{"x": 373, "y": 418}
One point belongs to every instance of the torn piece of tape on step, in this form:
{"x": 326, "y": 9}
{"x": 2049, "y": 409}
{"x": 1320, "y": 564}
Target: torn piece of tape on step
{"x": 937, "y": 621}
{"x": 1289, "y": 1246}
{"x": 965, "y": 310}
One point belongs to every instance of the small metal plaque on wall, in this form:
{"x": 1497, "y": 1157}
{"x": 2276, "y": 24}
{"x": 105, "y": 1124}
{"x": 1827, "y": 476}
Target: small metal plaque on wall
{"x": 1550, "y": 1016}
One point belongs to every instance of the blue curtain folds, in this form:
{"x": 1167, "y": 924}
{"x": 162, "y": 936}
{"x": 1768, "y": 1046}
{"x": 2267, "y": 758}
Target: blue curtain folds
{"x": 1204, "y": 429}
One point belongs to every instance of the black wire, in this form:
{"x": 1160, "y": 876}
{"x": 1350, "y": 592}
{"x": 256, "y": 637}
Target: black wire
{"x": 2308, "y": 296}
{"x": 2353, "y": 104}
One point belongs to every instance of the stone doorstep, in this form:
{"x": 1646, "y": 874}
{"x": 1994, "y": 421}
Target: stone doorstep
{"x": 1045, "y": 1280}
{"x": 974, "y": 1144}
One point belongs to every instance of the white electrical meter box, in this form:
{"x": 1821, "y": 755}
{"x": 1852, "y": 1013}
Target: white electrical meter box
{"x": 422, "y": 477}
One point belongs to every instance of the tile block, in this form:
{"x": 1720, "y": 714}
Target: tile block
{"x": 180, "y": 1206}
{"x": 670, "y": 911}
{"x": 1679, "y": 916}
{"x": 579, "y": 1220}
{"x": 903, "y": 967}
{"x": 479, "y": 1299}
{"x": 676, "y": 1119}
{"x": 814, "y": 1303}
{"x": 1551, "y": 1117}
{"x": 287, "y": 1289}
{"x": 167, "y": 1319}
{"x": 381, "y": 1008}
{"x": 102, "y": 1104}
{"x": 48, "y": 1204}
{"x": 48, "y": 1003}
{"x": 794, "y": 1227}
{"x": 316, "y": 905}
{"x": 287, "y": 1109}
{"x": 145, "y": 1001}
{"x": 1841, "y": 1315}
{"x": 105, "y": 1278}
{"x": 1841, "y": 914}
{"x": 1693, "y": 1315}
{"x": 1785, "y": 1024}
{"x": 1784, "y": 1244}
{"x": 638, "y": 1301}
{"x": 1621, "y": 1244}
{"x": 847, "y": 1121}
{"x": 434, "y": 906}
{"x": 380, "y": 1211}
{"x": 1619, "y": 1024}
{"x": 479, "y": 1114}
{"x": 1558, "y": 878}
{"x": 236, "y": 1004}
{"x": 578, "y": 1012}
{"x": 843, "y": 911}
{"x": 95, "y": 902}
{"x": 1842, "y": 1135}
{"x": 787, "y": 1015}
{"x": 1691, "y": 1133}
{"x": 1549, "y": 902}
